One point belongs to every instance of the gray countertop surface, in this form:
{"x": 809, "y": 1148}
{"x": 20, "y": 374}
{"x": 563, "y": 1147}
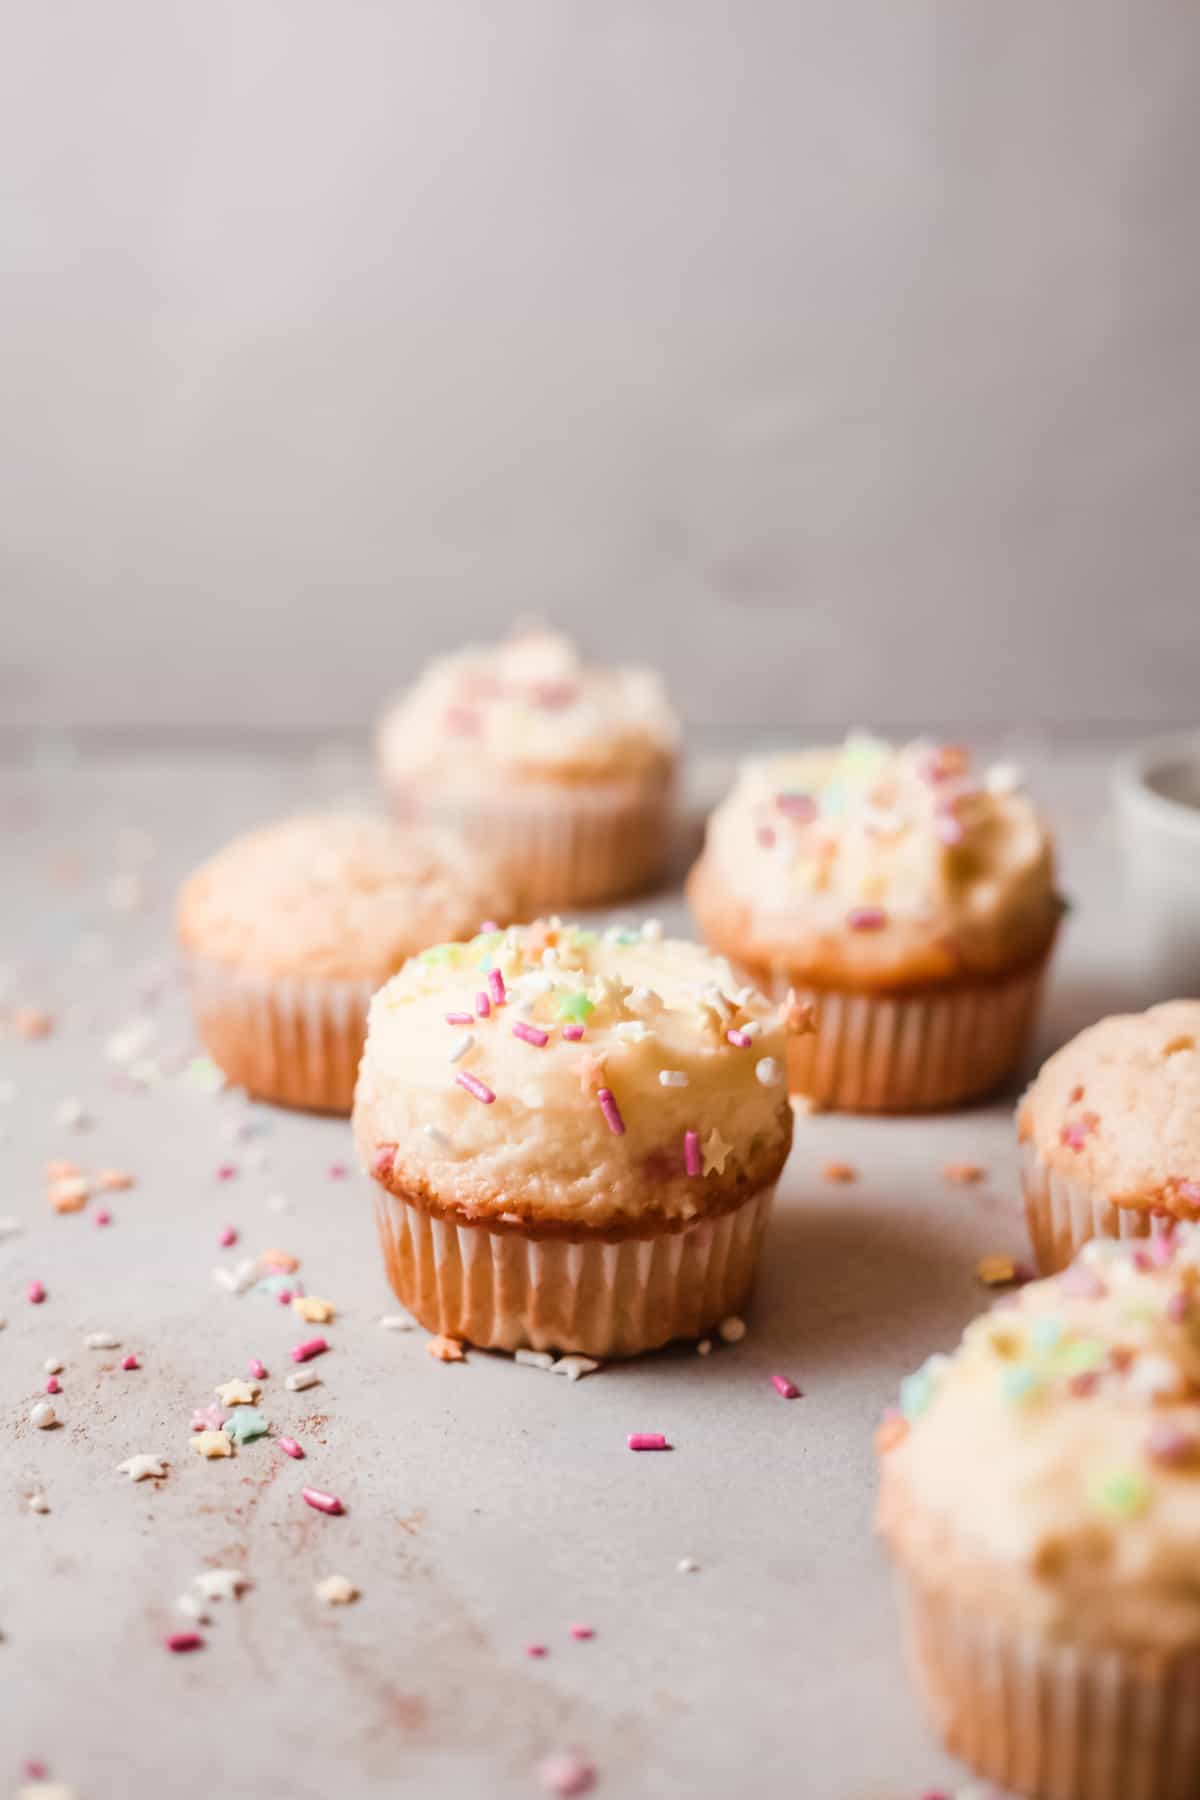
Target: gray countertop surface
{"x": 489, "y": 1506}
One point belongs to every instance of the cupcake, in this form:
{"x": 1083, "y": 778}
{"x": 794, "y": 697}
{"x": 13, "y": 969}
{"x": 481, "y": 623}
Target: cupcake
{"x": 1110, "y": 1132}
{"x": 565, "y": 771}
{"x": 289, "y": 930}
{"x": 1041, "y": 1501}
{"x": 909, "y": 903}
{"x": 574, "y": 1139}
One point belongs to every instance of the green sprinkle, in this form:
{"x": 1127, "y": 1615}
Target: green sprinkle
{"x": 1122, "y": 1495}
{"x": 244, "y": 1424}
{"x": 584, "y": 939}
{"x": 628, "y": 937}
{"x": 1045, "y": 1333}
{"x": 1082, "y": 1355}
{"x": 916, "y": 1392}
{"x": 439, "y": 953}
{"x": 203, "y": 1073}
{"x": 577, "y": 1007}
{"x": 1018, "y": 1383}
{"x": 274, "y": 1284}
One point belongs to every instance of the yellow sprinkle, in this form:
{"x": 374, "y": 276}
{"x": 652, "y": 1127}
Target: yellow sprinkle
{"x": 312, "y": 1310}
{"x": 212, "y": 1443}
{"x": 996, "y": 1271}
{"x": 335, "y": 1590}
{"x": 238, "y": 1393}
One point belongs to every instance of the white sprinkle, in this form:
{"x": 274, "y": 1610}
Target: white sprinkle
{"x": 302, "y": 1378}
{"x": 1003, "y": 778}
{"x": 672, "y": 1078}
{"x": 645, "y": 1000}
{"x": 243, "y": 1275}
{"x": 38, "y": 1503}
{"x": 687, "y": 1565}
{"x": 396, "y": 1322}
{"x": 101, "y": 1340}
{"x": 436, "y": 1136}
{"x": 632, "y": 1030}
{"x": 335, "y": 1590}
{"x": 278, "y": 1203}
{"x": 744, "y": 996}
{"x": 131, "y": 1042}
{"x": 534, "y": 1359}
{"x": 54, "y": 1365}
{"x": 531, "y": 987}
{"x": 704, "y": 1347}
{"x": 72, "y": 1114}
{"x": 652, "y": 931}
{"x": 576, "y": 1367}
{"x": 192, "y": 1608}
{"x": 732, "y": 1330}
{"x": 466, "y": 1042}
{"x": 220, "y": 1584}
{"x": 43, "y": 1416}
{"x": 751, "y": 1028}
{"x": 143, "y": 1467}
{"x": 769, "y": 1071}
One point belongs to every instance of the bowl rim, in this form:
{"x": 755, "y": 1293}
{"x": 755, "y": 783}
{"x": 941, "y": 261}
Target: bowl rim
{"x": 1132, "y": 773}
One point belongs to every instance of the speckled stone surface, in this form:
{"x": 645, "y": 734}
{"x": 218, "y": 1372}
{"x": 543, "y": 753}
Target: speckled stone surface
{"x": 488, "y": 1505}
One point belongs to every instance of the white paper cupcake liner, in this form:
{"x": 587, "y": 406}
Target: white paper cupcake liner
{"x": 501, "y": 1288}
{"x": 912, "y": 1052}
{"x": 1054, "y": 1722}
{"x": 282, "y": 1038}
{"x": 1063, "y": 1213}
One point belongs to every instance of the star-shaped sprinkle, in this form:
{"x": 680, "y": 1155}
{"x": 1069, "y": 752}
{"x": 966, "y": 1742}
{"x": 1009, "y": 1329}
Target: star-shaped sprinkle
{"x": 445, "y": 1349}
{"x": 212, "y": 1443}
{"x": 590, "y": 1070}
{"x": 246, "y": 1424}
{"x": 575, "y": 1367}
{"x": 238, "y": 1393}
{"x": 192, "y": 1608}
{"x": 208, "y": 1418}
{"x": 715, "y": 1152}
{"x": 799, "y": 1016}
{"x": 143, "y": 1468}
{"x": 335, "y": 1590}
{"x": 313, "y": 1310}
{"x": 220, "y": 1584}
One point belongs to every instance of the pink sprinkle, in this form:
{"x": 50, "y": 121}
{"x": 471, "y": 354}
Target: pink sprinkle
{"x": 691, "y": 1152}
{"x": 473, "y": 1085}
{"x": 611, "y": 1111}
{"x": 208, "y": 1418}
{"x": 741, "y": 1040}
{"x": 284, "y": 1296}
{"x": 647, "y": 1440}
{"x": 290, "y": 1447}
{"x": 1076, "y": 1135}
{"x": 766, "y": 837}
{"x": 130, "y": 1362}
{"x": 1179, "y": 1308}
{"x": 226, "y": 1171}
{"x": 338, "y": 1171}
{"x": 54, "y": 1385}
{"x": 306, "y": 1351}
{"x": 257, "y": 1369}
{"x": 1082, "y": 1385}
{"x": 1168, "y": 1445}
{"x": 483, "y": 1006}
{"x": 787, "y": 1388}
{"x": 535, "y": 1650}
{"x": 496, "y": 987}
{"x": 228, "y": 1237}
{"x": 326, "y": 1503}
{"x": 797, "y": 806}
{"x": 104, "y": 1217}
{"x": 460, "y": 1018}
{"x": 488, "y": 925}
{"x": 866, "y": 918}
{"x": 565, "y": 1774}
{"x": 572, "y": 1033}
{"x": 531, "y": 1034}
{"x": 181, "y": 1641}
{"x": 35, "y": 1770}
{"x": 36, "y": 1293}
{"x": 383, "y": 1161}
{"x": 583, "y": 1632}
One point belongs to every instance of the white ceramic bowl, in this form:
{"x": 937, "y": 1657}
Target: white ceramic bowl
{"x": 1157, "y": 791}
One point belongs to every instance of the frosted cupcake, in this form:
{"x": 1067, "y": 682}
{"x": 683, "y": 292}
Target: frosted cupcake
{"x": 574, "y": 1139}
{"x": 1110, "y": 1132}
{"x": 1041, "y": 1500}
{"x": 910, "y": 903}
{"x": 289, "y": 930}
{"x": 565, "y": 770}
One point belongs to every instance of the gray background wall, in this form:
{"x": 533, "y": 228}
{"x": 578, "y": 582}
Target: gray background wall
{"x": 843, "y": 357}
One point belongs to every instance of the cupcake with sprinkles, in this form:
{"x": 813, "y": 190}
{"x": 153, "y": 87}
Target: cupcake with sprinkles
{"x": 906, "y": 902}
{"x": 574, "y": 1138}
{"x": 564, "y": 769}
{"x": 288, "y": 931}
{"x": 1040, "y": 1498}
{"x": 1110, "y": 1132}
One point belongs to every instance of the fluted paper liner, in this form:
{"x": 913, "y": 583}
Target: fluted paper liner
{"x": 506, "y": 1289}
{"x": 1063, "y": 1213}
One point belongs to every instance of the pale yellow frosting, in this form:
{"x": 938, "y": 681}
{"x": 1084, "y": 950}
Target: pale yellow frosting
{"x": 338, "y": 896}
{"x": 528, "y": 707}
{"x": 1050, "y": 1471}
{"x": 1118, "y": 1108}
{"x": 545, "y": 1150}
{"x": 873, "y": 864}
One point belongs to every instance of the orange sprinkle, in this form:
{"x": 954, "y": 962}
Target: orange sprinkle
{"x": 890, "y": 1432}
{"x": 62, "y": 1171}
{"x": 839, "y": 1171}
{"x": 963, "y": 1174}
{"x": 996, "y": 1271}
{"x": 446, "y": 1349}
{"x": 113, "y": 1181}
{"x": 799, "y": 1016}
{"x": 281, "y": 1261}
{"x": 69, "y": 1195}
{"x": 29, "y": 1022}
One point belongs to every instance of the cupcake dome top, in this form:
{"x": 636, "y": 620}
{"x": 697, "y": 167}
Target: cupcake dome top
{"x": 336, "y": 896}
{"x": 1119, "y": 1108}
{"x": 868, "y": 863}
{"x": 529, "y": 706}
{"x": 1050, "y": 1469}
{"x": 557, "y": 1076}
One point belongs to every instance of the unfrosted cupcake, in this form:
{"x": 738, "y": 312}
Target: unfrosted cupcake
{"x": 910, "y": 902}
{"x": 289, "y": 930}
{"x": 1110, "y": 1132}
{"x": 565, "y": 770}
{"x": 574, "y": 1139}
{"x": 1041, "y": 1501}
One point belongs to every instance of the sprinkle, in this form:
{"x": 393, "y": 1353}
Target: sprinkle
{"x": 474, "y": 1086}
{"x": 54, "y": 1365}
{"x": 839, "y": 1172}
{"x": 182, "y": 1641}
{"x": 768, "y": 1071}
{"x": 799, "y": 806}
{"x": 996, "y": 1271}
{"x": 68, "y": 1194}
{"x": 465, "y": 1043}
{"x": 1123, "y": 1495}
{"x": 245, "y": 1425}
{"x": 43, "y": 1416}
{"x": 143, "y": 1468}
{"x": 536, "y": 1650}
{"x": 675, "y": 1078}
{"x": 866, "y": 918}
{"x": 565, "y": 1774}
{"x": 1018, "y": 1383}
{"x": 572, "y": 1033}
{"x": 305, "y": 1352}
{"x": 652, "y": 931}
{"x": 221, "y": 1584}
{"x": 963, "y": 1174}
{"x": 212, "y": 1443}
{"x": 1180, "y": 1308}
{"x": 382, "y": 1161}
{"x": 1170, "y": 1446}
{"x": 435, "y": 1136}
{"x": 290, "y": 1447}
{"x": 576, "y": 1007}
{"x": 741, "y": 1040}
{"x": 731, "y": 1330}
{"x": 237, "y": 1393}
{"x": 531, "y": 1034}
{"x": 534, "y": 1359}
{"x": 54, "y": 1385}
{"x": 104, "y": 1217}
{"x": 891, "y": 1430}
{"x": 716, "y": 1151}
{"x": 300, "y": 1379}
{"x": 38, "y": 1503}
{"x": 784, "y": 1387}
{"x": 799, "y": 1017}
{"x": 335, "y": 1590}
{"x": 496, "y": 988}
{"x": 917, "y": 1391}
{"x": 228, "y": 1237}
{"x": 326, "y": 1503}
{"x": 73, "y": 1115}
{"x": 1075, "y": 1135}
{"x": 445, "y": 1349}
{"x": 314, "y": 1311}
{"x": 101, "y": 1340}
{"x": 226, "y": 1171}
{"x": 460, "y": 1018}
{"x": 130, "y": 1362}
{"x": 576, "y": 1367}
{"x": 483, "y": 1006}
{"x": 647, "y": 1440}
{"x": 581, "y": 1633}
{"x": 611, "y": 1111}
{"x": 687, "y": 1565}
{"x": 395, "y": 1322}
{"x": 35, "y": 1293}
{"x": 691, "y": 1152}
